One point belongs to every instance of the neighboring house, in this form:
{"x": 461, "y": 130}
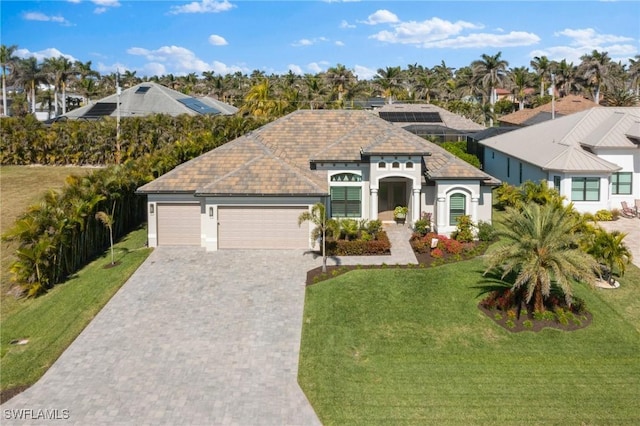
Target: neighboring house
{"x": 429, "y": 121}
{"x": 150, "y": 98}
{"x": 570, "y": 104}
{"x": 591, "y": 157}
{"x": 250, "y": 192}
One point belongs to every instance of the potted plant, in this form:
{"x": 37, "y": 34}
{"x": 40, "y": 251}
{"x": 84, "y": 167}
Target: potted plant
{"x": 400, "y": 213}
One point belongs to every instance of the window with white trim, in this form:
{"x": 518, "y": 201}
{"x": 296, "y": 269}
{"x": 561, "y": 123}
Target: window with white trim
{"x": 457, "y": 207}
{"x": 346, "y": 201}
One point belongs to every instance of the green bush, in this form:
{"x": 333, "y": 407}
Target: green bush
{"x": 486, "y": 231}
{"x": 380, "y": 246}
{"x": 464, "y": 230}
{"x": 603, "y": 215}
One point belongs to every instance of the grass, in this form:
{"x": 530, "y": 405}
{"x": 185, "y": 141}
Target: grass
{"x": 21, "y": 187}
{"x": 53, "y": 321}
{"x": 411, "y": 347}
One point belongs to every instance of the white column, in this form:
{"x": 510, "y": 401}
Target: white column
{"x": 441, "y": 214}
{"x": 373, "y": 204}
{"x": 415, "y": 208}
{"x": 474, "y": 209}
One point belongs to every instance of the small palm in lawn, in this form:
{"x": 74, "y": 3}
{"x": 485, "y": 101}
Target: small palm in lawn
{"x": 318, "y": 216}
{"x": 107, "y": 220}
{"x": 609, "y": 249}
{"x": 541, "y": 246}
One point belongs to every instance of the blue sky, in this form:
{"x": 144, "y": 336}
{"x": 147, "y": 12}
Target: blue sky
{"x": 225, "y": 36}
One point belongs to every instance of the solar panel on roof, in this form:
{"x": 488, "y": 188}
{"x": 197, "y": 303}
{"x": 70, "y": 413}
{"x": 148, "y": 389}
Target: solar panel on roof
{"x": 411, "y": 117}
{"x": 101, "y": 109}
{"x": 143, "y": 89}
{"x": 198, "y": 106}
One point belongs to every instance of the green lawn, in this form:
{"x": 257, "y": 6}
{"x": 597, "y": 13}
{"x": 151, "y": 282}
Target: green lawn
{"x": 410, "y": 347}
{"x": 53, "y": 321}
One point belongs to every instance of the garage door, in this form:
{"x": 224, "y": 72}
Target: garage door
{"x": 260, "y": 227}
{"x": 178, "y": 224}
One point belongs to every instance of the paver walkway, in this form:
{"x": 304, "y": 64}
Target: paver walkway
{"x": 193, "y": 338}
{"x": 401, "y": 251}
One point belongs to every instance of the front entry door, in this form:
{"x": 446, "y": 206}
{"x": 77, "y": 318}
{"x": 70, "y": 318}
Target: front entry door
{"x": 391, "y": 194}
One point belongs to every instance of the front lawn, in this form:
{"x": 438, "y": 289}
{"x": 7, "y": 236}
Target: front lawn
{"x": 399, "y": 346}
{"x": 51, "y": 322}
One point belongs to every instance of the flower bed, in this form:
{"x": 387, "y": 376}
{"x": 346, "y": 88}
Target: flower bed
{"x": 360, "y": 247}
{"x": 446, "y": 250}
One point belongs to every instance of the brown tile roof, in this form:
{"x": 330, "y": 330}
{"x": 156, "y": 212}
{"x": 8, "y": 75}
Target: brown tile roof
{"x": 563, "y": 106}
{"x": 276, "y": 158}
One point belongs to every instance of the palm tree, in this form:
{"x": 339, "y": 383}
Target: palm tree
{"x": 389, "y": 81}
{"x": 634, "y": 74}
{"x": 521, "y": 78}
{"x": 261, "y": 102}
{"x": 318, "y": 216}
{"x": 315, "y": 89}
{"x": 7, "y": 60}
{"x": 491, "y": 71}
{"x": 540, "y": 247}
{"x": 566, "y": 75}
{"x": 107, "y": 221}
{"x": 620, "y": 98}
{"x": 609, "y": 249}
{"x": 87, "y": 79}
{"x": 29, "y": 74}
{"x": 59, "y": 70}
{"x": 338, "y": 78}
{"x": 595, "y": 68}
{"x": 542, "y": 65}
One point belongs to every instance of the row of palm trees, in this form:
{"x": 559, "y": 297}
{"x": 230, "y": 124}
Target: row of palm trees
{"x": 595, "y": 75}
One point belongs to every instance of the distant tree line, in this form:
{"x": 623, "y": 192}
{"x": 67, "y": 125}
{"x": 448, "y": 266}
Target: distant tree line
{"x": 597, "y": 77}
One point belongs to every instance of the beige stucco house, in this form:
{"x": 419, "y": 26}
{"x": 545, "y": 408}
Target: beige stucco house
{"x": 249, "y": 192}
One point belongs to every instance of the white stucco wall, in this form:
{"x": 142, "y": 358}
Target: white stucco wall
{"x": 478, "y": 201}
{"x": 629, "y": 160}
{"x": 507, "y": 168}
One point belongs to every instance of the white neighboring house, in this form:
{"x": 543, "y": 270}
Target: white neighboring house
{"x": 591, "y": 157}
{"x": 249, "y": 192}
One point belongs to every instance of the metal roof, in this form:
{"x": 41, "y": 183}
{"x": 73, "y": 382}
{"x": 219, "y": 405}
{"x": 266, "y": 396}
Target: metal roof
{"x": 557, "y": 144}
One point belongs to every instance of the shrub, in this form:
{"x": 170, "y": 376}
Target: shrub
{"x": 422, "y": 226}
{"x": 381, "y": 245}
{"x": 486, "y": 231}
{"x": 527, "y": 324}
{"x": 437, "y": 253}
{"x": 615, "y": 214}
{"x": 464, "y": 230}
{"x": 373, "y": 226}
{"x": 451, "y": 246}
{"x": 603, "y": 215}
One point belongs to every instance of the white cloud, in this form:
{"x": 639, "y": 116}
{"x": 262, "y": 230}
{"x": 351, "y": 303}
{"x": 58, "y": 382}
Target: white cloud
{"x": 339, "y": 43}
{"x": 434, "y": 29}
{"x": 364, "y": 73}
{"x": 381, "y": 16}
{"x": 204, "y": 6}
{"x": 309, "y": 42}
{"x": 584, "y": 41}
{"x": 296, "y": 69}
{"x": 314, "y": 67}
{"x": 74, "y": 1}
{"x": 345, "y": 25}
{"x": 99, "y": 10}
{"x": 223, "y": 69}
{"x": 37, "y": 16}
{"x": 514, "y": 38}
{"x": 108, "y": 69}
{"x": 41, "y": 55}
{"x": 103, "y": 5}
{"x": 178, "y": 60}
{"x": 154, "y": 68}
{"x": 217, "y": 40}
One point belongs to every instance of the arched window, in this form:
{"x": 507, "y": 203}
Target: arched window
{"x": 382, "y": 165}
{"x": 457, "y": 207}
{"x": 346, "y": 177}
{"x": 395, "y": 165}
{"x": 409, "y": 165}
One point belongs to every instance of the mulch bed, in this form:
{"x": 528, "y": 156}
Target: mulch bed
{"x": 7, "y": 394}
{"x": 536, "y": 325}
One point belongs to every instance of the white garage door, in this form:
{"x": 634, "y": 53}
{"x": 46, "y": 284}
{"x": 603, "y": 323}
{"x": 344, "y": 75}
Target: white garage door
{"x": 262, "y": 227}
{"x": 178, "y": 224}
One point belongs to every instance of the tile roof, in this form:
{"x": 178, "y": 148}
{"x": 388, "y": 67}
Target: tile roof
{"x": 557, "y": 144}
{"x": 276, "y": 158}
{"x": 564, "y": 106}
{"x": 449, "y": 119}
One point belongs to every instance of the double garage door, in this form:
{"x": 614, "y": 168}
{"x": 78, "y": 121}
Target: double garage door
{"x": 238, "y": 227}
{"x": 262, "y": 228}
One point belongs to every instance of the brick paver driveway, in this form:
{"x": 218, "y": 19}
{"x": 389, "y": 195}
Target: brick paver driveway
{"x": 193, "y": 338}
